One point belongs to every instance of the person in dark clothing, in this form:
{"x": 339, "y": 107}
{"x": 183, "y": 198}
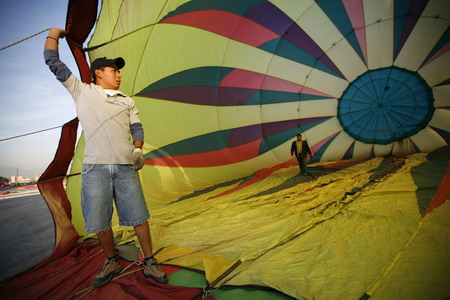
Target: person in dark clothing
{"x": 301, "y": 149}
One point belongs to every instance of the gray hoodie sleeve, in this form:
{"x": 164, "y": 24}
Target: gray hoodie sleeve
{"x": 58, "y": 68}
{"x": 137, "y": 132}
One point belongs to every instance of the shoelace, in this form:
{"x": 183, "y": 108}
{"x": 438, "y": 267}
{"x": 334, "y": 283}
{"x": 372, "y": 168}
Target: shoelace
{"x": 152, "y": 262}
{"x": 106, "y": 266}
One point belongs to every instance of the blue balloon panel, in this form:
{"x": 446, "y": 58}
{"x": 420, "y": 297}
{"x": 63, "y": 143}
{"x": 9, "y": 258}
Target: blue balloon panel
{"x": 386, "y": 105}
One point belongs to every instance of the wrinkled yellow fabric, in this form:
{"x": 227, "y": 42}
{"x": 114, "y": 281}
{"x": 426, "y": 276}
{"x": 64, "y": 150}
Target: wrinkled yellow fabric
{"x": 307, "y": 241}
{"x": 311, "y": 241}
{"x": 340, "y": 257}
{"x": 422, "y": 270}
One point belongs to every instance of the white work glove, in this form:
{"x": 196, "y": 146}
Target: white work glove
{"x": 138, "y": 159}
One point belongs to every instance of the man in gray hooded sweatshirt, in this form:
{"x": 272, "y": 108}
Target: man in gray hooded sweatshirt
{"x": 111, "y": 160}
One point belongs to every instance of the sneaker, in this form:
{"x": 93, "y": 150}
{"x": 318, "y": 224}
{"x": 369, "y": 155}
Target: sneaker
{"x": 153, "y": 271}
{"x": 111, "y": 268}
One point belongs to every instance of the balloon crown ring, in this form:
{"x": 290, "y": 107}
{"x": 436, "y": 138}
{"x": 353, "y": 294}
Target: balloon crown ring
{"x": 385, "y": 105}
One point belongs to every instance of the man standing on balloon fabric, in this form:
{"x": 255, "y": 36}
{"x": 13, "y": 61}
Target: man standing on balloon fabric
{"x": 301, "y": 149}
{"x": 111, "y": 160}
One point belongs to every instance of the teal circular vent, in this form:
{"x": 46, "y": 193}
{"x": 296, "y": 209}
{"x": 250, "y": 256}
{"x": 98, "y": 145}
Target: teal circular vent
{"x": 385, "y": 105}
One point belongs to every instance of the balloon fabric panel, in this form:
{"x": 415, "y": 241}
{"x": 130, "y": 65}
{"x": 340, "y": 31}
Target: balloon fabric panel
{"x": 223, "y": 87}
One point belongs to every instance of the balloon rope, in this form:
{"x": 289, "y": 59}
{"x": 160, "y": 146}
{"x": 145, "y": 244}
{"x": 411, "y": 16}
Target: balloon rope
{"x": 20, "y": 41}
{"x": 30, "y": 133}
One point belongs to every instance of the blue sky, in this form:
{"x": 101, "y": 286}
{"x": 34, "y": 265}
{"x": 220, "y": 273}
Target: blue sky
{"x": 31, "y": 98}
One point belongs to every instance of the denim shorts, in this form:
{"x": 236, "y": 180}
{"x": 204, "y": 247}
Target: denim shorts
{"x": 103, "y": 183}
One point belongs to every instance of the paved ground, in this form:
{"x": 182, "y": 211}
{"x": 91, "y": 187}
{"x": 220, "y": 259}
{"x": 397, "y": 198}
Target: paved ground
{"x": 27, "y": 233}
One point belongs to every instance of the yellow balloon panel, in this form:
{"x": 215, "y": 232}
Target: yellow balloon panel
{"x": 222, "y": 84}
{"x": 223, "y": 87}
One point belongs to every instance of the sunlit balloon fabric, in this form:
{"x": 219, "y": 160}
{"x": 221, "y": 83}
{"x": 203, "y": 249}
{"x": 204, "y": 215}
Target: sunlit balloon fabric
{"x": 230, "y": 83}
{"x": 223, "y": 87}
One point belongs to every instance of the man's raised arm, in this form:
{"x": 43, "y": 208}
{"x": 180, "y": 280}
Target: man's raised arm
{"x": 53, "y": 37}
{"x": 51, "y": 55}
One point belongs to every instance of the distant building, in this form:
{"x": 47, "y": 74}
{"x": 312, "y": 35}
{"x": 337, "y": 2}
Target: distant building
{"x": 26, "y": 180}
{"x": 16, "y": 179}
{"x": 21, "y": 180}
